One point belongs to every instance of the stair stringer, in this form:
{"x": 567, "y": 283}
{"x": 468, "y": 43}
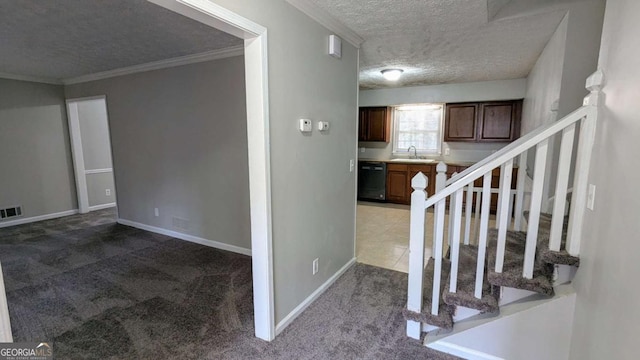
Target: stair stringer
{"x": 535, "y": 327}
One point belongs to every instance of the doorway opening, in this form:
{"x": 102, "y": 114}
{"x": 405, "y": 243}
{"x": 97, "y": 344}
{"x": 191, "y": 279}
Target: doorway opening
{"x": 91, "y": 150}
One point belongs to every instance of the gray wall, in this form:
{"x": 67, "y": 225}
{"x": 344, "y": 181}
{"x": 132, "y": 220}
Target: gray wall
{"x": 313, "y": 192}
{"x": 557, "y": 81}
{"x": 35, "y": 161}
{"x": 475, "y": 91}
{"x": 606, "y": 319}
{"x": 179, "y": 144}
{"x": 96, "y": 149}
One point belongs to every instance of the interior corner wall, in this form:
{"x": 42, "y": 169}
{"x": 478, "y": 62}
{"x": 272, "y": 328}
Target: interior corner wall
{"x": 179, "y": 144}
{"x": 606, "y": 319}
{"x": 544, "y": 82}
{"x": 313, "y": 193}
{"x": 36, "y": 170}
{"x": 556, "y": 84}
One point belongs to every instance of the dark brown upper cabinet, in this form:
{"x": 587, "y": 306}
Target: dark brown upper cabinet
{"x": 461, "y": 122}
{"x": 495, "y": 121}
{"x": 374, "y": 124}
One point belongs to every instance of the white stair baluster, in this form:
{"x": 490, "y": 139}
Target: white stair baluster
{"x": 452, "y": 209}
{"x": 534, "y": 211}
{"x": 562, "y": 182}
{"x": 503, "y": 215}
{"x": 441, "y": 181}
{"x": 484, "y": 228}
{"x": 476, "y": 220}
{"x": 416, "y": 252}
{"x": 468, "y": 211}
{"x": 522, "y": 174}
{"x": 437, "y": 255}
{"x": 455, "y": 219}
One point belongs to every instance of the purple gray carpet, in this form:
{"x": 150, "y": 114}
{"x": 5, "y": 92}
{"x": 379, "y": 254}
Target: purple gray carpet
{"x": 100, "y": 290}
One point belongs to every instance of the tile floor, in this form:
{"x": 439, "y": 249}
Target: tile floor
{"x": 382, "y": 235}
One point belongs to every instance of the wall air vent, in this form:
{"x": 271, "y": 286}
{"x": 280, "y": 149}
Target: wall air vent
{"x": 10, "y": 212}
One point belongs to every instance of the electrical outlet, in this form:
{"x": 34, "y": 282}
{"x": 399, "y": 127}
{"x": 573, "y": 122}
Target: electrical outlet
{"x": 107, "y": 192}
{"x": 352, "y": 165}
{"x": 447, "y": 151}
{"x": 363, "y": 149}
{"x": 315, "y": 266}
{"x": 156, "y": 212}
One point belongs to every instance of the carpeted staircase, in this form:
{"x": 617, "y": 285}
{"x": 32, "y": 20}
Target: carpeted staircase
{"x": 511, "y": 276}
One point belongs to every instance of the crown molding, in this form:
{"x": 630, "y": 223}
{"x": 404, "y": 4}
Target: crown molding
{"x": 325, "y": 19}
{"x": 156, "y": 65}
{"x": 38, "y": 79}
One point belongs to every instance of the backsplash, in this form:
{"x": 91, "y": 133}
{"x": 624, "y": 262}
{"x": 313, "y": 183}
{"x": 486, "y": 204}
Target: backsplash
{"x": 458, "y": 151}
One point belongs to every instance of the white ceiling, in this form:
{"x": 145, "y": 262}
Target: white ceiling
{"x": 61, "y": 39}
{"x": 447, "y": 41}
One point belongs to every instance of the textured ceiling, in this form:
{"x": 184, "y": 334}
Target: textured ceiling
{"x": 447, "y": 41}
{"x": 69, "y": 38}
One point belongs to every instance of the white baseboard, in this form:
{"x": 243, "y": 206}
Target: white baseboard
{"x": 191, "y": 238}
{"x": 38, "y": 218}
{"x": 461, "y": 351}
{"x": 311, "y": 298}
{"x": 100, "y": 207}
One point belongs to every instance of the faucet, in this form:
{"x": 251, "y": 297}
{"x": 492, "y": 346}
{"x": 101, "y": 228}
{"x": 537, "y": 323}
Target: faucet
{"x": 415, "y": 152}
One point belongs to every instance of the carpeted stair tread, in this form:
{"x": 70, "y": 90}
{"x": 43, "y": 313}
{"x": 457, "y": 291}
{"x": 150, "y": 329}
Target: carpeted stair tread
{"x": 444, "y": 319}
{"x": 561, "y": 257}
{"x": 511, "y": 275}
{"x": 465, "y": 288}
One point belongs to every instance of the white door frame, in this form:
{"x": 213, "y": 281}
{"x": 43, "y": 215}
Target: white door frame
{"x": 77, "y": 154}
{"x": 256, "y": 81}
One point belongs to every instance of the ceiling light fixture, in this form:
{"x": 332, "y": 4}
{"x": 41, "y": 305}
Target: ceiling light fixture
{"x": 391, "y": 74}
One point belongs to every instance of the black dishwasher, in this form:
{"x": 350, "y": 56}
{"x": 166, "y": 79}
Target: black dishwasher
{"x": 372, "y": 179}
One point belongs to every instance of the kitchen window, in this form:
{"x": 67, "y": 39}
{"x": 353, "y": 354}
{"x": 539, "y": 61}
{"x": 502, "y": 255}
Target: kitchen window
{"x": 419, "y": 126}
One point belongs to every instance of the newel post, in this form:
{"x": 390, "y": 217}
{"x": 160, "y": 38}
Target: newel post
{"x": 594, "y": 102}
{"x": 416, "y": 252}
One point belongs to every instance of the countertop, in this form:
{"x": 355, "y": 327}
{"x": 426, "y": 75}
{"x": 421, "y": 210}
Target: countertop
{"x": 421, "y": 161}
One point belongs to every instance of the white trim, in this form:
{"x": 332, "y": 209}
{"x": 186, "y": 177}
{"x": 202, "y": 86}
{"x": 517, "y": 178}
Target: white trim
{"x": 38, "y": 218}
{"x": 156, "y": 65}
{"x": 37, "y": 79}
{"x": 77, "y": 154}
{"x": 98, "y": 171}
{"x": 5, "y": 321}
{"x": 311, "y": 298}
{"x": 187, "y": 237}
{"x": 325, "y": 19}
{"x": 102, "y": 206}
{"x": 257, "y": 90}
{"x": 461, "y": 351}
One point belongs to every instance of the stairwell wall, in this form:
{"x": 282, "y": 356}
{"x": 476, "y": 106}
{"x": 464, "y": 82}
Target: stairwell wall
{"x": 556, "y": 84}
{"x": 606, "y": 319}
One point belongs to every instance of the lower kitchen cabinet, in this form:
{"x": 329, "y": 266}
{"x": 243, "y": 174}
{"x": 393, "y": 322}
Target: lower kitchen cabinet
{"x": 397, "y": 181}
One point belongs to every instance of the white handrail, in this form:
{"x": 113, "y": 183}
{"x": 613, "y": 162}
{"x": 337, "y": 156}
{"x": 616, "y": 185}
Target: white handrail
{"x": 510, "y": 203}
{"x": 508, "y": 152}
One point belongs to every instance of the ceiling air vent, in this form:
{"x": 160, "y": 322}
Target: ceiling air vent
{"x": 11, "y": 212}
